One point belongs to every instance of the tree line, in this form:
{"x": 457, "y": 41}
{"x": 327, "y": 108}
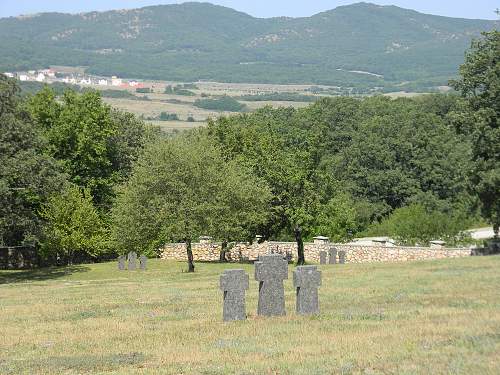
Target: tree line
{"x": 78, "y": 178}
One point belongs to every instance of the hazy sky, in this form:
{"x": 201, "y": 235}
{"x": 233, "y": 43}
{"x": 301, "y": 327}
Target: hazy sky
{"x": 258, "y": 8}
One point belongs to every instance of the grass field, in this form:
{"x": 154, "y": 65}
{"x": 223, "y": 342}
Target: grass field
{"x": 438, "y": 317}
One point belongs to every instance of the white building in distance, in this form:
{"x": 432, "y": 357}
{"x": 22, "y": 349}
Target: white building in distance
{"x": 115, "y": 81}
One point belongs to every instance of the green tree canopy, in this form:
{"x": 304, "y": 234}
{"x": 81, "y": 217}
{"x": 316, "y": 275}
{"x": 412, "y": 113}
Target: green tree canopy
{"x": 27, "y": 176}
{"x": 479, "y": 84}
{"x": 182, "y": 188}
{"x": 95, "y": 144}
{"x": 73, "y": 226}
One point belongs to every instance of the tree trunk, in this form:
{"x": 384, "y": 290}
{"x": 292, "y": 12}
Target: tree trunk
{"x": 222, "y": 256}
{"x": 300, "y": 246}
{"x": 496, "y": 227}
{"x": 189, "y": 255}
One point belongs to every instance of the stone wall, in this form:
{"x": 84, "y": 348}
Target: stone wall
{"x": 354, "y": 253}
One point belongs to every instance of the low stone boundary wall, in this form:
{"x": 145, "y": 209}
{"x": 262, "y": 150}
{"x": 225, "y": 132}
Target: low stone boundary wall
{"x": 354, "y": 253}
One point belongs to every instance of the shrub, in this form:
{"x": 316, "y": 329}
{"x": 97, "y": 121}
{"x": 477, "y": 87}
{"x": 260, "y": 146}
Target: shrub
{"x": 224, "y": 103}
{"x": 72, "y": 226}
{"x": 412, "y": 225}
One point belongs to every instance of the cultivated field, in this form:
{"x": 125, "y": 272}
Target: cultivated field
{"x": 439, "y": 317}
{"x": 183, "y": 106}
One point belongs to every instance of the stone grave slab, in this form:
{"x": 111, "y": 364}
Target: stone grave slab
{"x": 322, "y": 257}
{"x": 332, "y": 255}
{"x": 270, "y": 272}
{"x": 121, "y": 262}
{"x": 342, "y": 257}
{"x": 143, "y": 262}
{"x": 233, "y": 284}
{"x": 132, "y": 260}
{"x": 306, "y": 280}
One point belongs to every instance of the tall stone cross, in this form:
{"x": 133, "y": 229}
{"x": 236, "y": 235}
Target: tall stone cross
{"x": 342, "y": 256}
{"x": 332, "y": 255}
{"x": 234, "y": 283}
{"x": 306, "y": 280}
{"x": 121, "y": 262}
{"x": 132, "y": 260}
{"x": 322, "y": 257}
{"x": 270, "y": 271}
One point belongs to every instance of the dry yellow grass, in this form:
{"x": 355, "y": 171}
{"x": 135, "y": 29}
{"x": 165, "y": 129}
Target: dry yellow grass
{"x": 439, "y": 317}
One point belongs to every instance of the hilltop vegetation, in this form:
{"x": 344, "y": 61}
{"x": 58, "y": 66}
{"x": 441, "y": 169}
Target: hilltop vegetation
{"x": 420, "y": 168}
{"x": 361, "y": 45}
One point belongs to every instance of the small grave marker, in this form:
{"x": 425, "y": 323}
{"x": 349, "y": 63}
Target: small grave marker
{"x": 121, "y": 262}
{"x": 234, "y": 283}
{"x": 270, "y": 271}
{"x": 306, "y": 280}
{"x": 342, "y": 257}
{"x": 132, "y": 260}
{"x": 143, "y": 261}
{"x": 332, "y": 255}
{"x": 322, "y": 257}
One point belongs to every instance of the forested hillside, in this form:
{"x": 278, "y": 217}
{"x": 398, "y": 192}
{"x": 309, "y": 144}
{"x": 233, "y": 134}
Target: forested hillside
{"x": 362, "y": 45}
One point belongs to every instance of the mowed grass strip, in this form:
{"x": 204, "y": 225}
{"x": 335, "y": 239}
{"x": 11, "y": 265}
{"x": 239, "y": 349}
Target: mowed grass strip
{"x": 436, "y": 317}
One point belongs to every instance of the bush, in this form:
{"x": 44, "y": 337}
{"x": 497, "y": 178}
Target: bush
{"x": 224, "y": 103}
{"x": 337, "y": 219}
{"x": 72, "y": 226}
{"x": 143, "y": 90}
{"x": 165, "y": 116}
{"x": 414, "y": 225}
{"x": 280, "y": 97}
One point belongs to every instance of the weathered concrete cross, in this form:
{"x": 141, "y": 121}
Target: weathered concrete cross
{"x": 121, "y": 262}
{"x": 270, "y": 272}
{"x": 342, "y": 256}
{"x": 142, "y": 262}
{"x": 234, "y": 283}
{"x": 306, "y": 280}
{"x": 132, "y": 260}
{"x": 332, "y": 255}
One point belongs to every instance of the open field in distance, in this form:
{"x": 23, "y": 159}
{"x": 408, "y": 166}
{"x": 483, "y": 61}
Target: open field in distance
{"x": 184, "y": 107}
{"x": 437, "y": 317}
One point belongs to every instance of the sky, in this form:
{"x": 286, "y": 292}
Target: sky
{"x": 259, "y": 8}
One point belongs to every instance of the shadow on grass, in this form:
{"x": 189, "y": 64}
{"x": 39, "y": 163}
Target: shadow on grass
{"x": 81, "y": 364}
{"x": 39, "y": 274}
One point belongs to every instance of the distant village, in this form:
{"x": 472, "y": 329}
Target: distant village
{"x": 51, "y": 76}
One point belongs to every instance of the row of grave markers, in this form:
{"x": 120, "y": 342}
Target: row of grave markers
{"x": 332, "y": 256}
{"x": 131, "y": 259}
{"x": 270, "y": 271}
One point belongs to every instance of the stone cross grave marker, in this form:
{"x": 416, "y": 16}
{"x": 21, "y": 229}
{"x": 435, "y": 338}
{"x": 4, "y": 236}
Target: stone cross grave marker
{"x": 121, "y": 262}
{"x": 234, "y": 283}
{"x": 306, "y": 280}
{"x": 342, "y": 256}
{"x": 270, "y": 272}
{"x": 142, "y": 262}
{"x": 332, "y": 255}
{"x": 322, "y": 257}
{"x": 132, "y": 260}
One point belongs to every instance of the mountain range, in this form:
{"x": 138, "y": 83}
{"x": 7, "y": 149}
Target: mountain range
{"x": 360, "y": 45}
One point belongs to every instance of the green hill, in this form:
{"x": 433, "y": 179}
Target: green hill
{"x": 361, "y": 45}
